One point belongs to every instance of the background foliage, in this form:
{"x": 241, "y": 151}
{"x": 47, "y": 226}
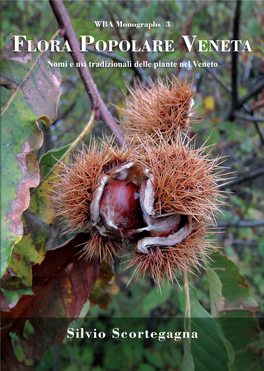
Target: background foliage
{"x": 234, "y": 134}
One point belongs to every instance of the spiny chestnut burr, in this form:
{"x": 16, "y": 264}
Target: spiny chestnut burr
{"x": 120, "y": 207}
{"x": 164, "y": 106}
{"x": 159, "y": 193}
{"x": 162, "y": 262}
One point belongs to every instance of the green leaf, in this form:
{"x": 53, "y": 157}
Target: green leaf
{"x": 38, "y": 222}
{"x": 215, "y": 288}
{"x": 209, "y": 351}
{"x": 236, "y": 292}
{"x": 187, "y": 364}
{"x": 49, "y": 161}
{"x": 146, "y": 367}
{"x": 261, "y": 248}
{"x": 213, "y": 138}
{"x": 36, "y": 96}
{"x": 254, "y": 27}
{"x": 153, "y": 357}
{"x": 233, "y": 130}
{"x": 236, "y": 308}
{"x": 156, "y": 298}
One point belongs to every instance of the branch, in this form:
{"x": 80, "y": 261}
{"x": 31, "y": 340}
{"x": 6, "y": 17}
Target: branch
{"x": 234, "y": 63}
{"x": 117, "y": 30}
{"x": 213, "y": 73}
{"x": 85, "y": 131}
{"x": 249, "y": 117}
{"x": 97, "y": 103}
{"x": 80, "y": 118}
{"x": 235, "y": 55}
{"x": 109, "y": 55}
{"x": 244, "y": 243}
{"x": 255, "y": 119}
{"x": 255, "y": 90}
{"x": 257, "y": 105}
{"x": 242, "y": 224}
{"x": 243, "y": 178}
{"x": 64, "y": 114}
{"x": 259, "y": 131}
{"x": 138, "y": 70}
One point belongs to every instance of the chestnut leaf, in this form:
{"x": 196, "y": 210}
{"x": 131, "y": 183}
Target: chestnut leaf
{"x": 35, "y": 97}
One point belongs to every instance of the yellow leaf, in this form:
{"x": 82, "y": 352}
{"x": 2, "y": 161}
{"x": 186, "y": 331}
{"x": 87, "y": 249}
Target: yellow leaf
{"x": 209, "y": 103}
{"x": 119, "y": 107}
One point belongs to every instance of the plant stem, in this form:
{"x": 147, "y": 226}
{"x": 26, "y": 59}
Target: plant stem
{"x": 235, "y": 56}
{"x": 85, "y": 131}
{"x": 242, "y": 224}
{"x": 97, "y": 103}
{"x": 187, "y": 295}
{"x": 234, "y": 63}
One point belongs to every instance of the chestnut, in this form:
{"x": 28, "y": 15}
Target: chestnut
{"x": 120, "y": 206}
{"x": 165, "y": 225}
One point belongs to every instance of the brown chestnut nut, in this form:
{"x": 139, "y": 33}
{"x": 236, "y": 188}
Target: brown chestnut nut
{"x": 120, "y": 207}
{"x": 165, "y": 225}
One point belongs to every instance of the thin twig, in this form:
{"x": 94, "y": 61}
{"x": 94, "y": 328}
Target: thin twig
{"x": 254, "y": 90}
{"x": 235, "y": 56}
{"x": 256, "y": 123}
{"x": 259, "y": 131}
{"x": 85, "y": 131}
{"x": 64, "y": 114}
{"x": 245, "y": 178}
{"x": 254, "y": 119}
{"x": 246, "y": 117}
{"x": 251, "y": 117}
{"x": 80, "y": 118}
{"x": 256, "y": 105}
{"x": 234, "y": 62}
{"x": 213, "y": 73}
{"x": 232, "y": 154}
{"x": 109, "y": 55}
{"x": 187, "y": 315}
{"x": 97, "y": 103}
{"x": 138, "y": 70}
{"x": 242, "y": 224}
{"x": 187, "y": 295}
{"x": 117, "y": 29}
{"x": 144, "y": 79}
{"x": 243, "y": 243}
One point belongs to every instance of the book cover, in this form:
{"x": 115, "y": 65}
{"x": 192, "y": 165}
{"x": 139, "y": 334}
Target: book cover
{"x": 132, "y": 176}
